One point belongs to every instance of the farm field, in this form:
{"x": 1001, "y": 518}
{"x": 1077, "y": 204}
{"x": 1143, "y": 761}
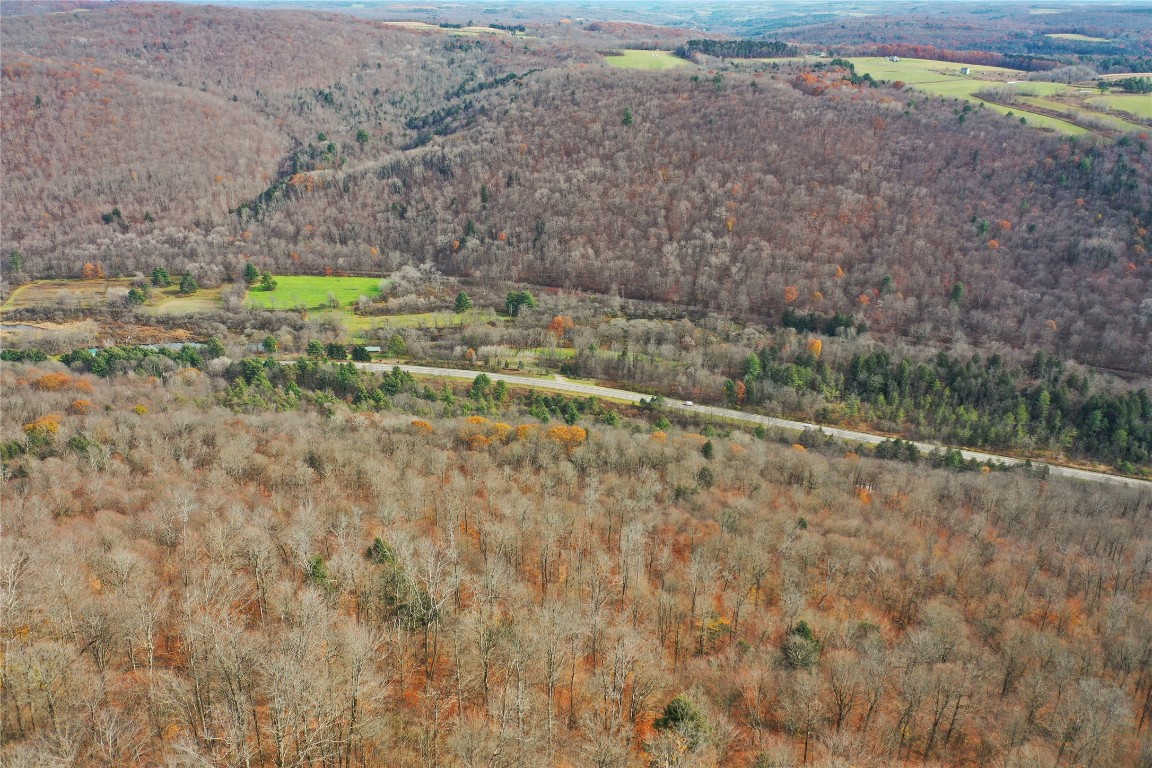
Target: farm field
{"x": 656, "y": 60}
{"x": 944, "y": 78}
{"x": 1113, "y": 122}
{"x": 1136, "y": 104}
{"x": 311, "y": 292}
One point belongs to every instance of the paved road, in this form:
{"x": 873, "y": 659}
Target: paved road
{"x": 563, "y": 385}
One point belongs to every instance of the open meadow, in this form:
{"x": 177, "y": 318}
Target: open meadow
{"x": 1054, "y": 106}
{"x": 312, "y": 292}
{"x": 66, "y": 293}
{"x": 655, "y": 60}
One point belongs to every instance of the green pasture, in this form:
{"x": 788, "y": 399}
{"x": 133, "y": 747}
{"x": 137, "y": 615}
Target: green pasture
{"x": 944, "y": 78}
{"x": 1110, "y": 121}
{"x": 1037, "y": 120}
{"x": 310, "y": 292}
{"x": 1138, "y": 104}
{"x": 633, "y": 59}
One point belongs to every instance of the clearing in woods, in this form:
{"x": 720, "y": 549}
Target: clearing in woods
{"x": 946, "y": 79}
{"x": 1078, "y": 38}
{"x": 422, "y": 26}
{"x": 67, "y": 293}
{"x": 293, "y": 291}
{"x": 634, "y": 59}
{"x": 71, "y": 293}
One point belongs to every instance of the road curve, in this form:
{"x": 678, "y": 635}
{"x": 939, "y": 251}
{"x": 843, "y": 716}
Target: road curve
{"x": 563, "y": 385}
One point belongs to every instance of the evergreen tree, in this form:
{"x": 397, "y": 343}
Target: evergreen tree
{"x": 188, "y": 285}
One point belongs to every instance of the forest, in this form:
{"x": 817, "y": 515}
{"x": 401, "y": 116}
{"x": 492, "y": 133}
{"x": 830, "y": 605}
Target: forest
{"x": 513, "y": 162}
{"x": 443, "y": 578}
{"x": 239, "y": 527}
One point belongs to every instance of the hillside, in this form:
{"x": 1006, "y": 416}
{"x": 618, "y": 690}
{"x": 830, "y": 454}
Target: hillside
{"x": 340, "y": 142}
{"x": 545, "y": 385}
{"x": 429, "y": 578}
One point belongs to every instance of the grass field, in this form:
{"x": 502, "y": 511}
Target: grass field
{"x": 1133, "y": 103}
{"x": 1037, "y": 120}
{"x": 312, "y": 292}
{"x": 1078, "y": 38}
{"x": 633, "y": 59}
{"x": 1111, "y": 121}
{"x": 943, "y": 78}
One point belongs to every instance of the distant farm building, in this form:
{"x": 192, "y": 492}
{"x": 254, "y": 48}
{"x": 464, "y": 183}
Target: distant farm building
{"x": 965, "y": 70}
{"x": 894, "y": 58}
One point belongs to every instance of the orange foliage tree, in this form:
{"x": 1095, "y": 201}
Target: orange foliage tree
{"x": 569, "y": 436}
{"x": 560, "y": 325}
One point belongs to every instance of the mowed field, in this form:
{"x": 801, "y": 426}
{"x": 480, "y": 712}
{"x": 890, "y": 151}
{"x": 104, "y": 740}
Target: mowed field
{"x": 1138, "y": 104}
{"x": 634, "y": 59}
{"x": 294, "y": 291}
{"x": 946, "y": 79}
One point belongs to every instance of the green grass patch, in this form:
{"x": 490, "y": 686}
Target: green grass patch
{"x": 1078, "y": 38}
{"x": 1037, "y": 120}
{"x": 294, "y": 291}
{"x": 1138, "y": 104}
{"x": 357, "y": 326}
{"x": 945, "y": 79}
{"x": 1109, "y": 121}
{"x": 633, "y": 59}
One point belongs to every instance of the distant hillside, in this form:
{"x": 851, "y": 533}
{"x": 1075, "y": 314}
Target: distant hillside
{"x": 305, "y": 141}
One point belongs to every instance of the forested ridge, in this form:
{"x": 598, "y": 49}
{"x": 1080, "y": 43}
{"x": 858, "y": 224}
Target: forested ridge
{"x": 721, "y": 191}
{"x": 192, "y": 578}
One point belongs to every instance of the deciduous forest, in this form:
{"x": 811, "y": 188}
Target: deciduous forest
{"x": 438, "y": 578}
{"x": 533, "y": 385}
